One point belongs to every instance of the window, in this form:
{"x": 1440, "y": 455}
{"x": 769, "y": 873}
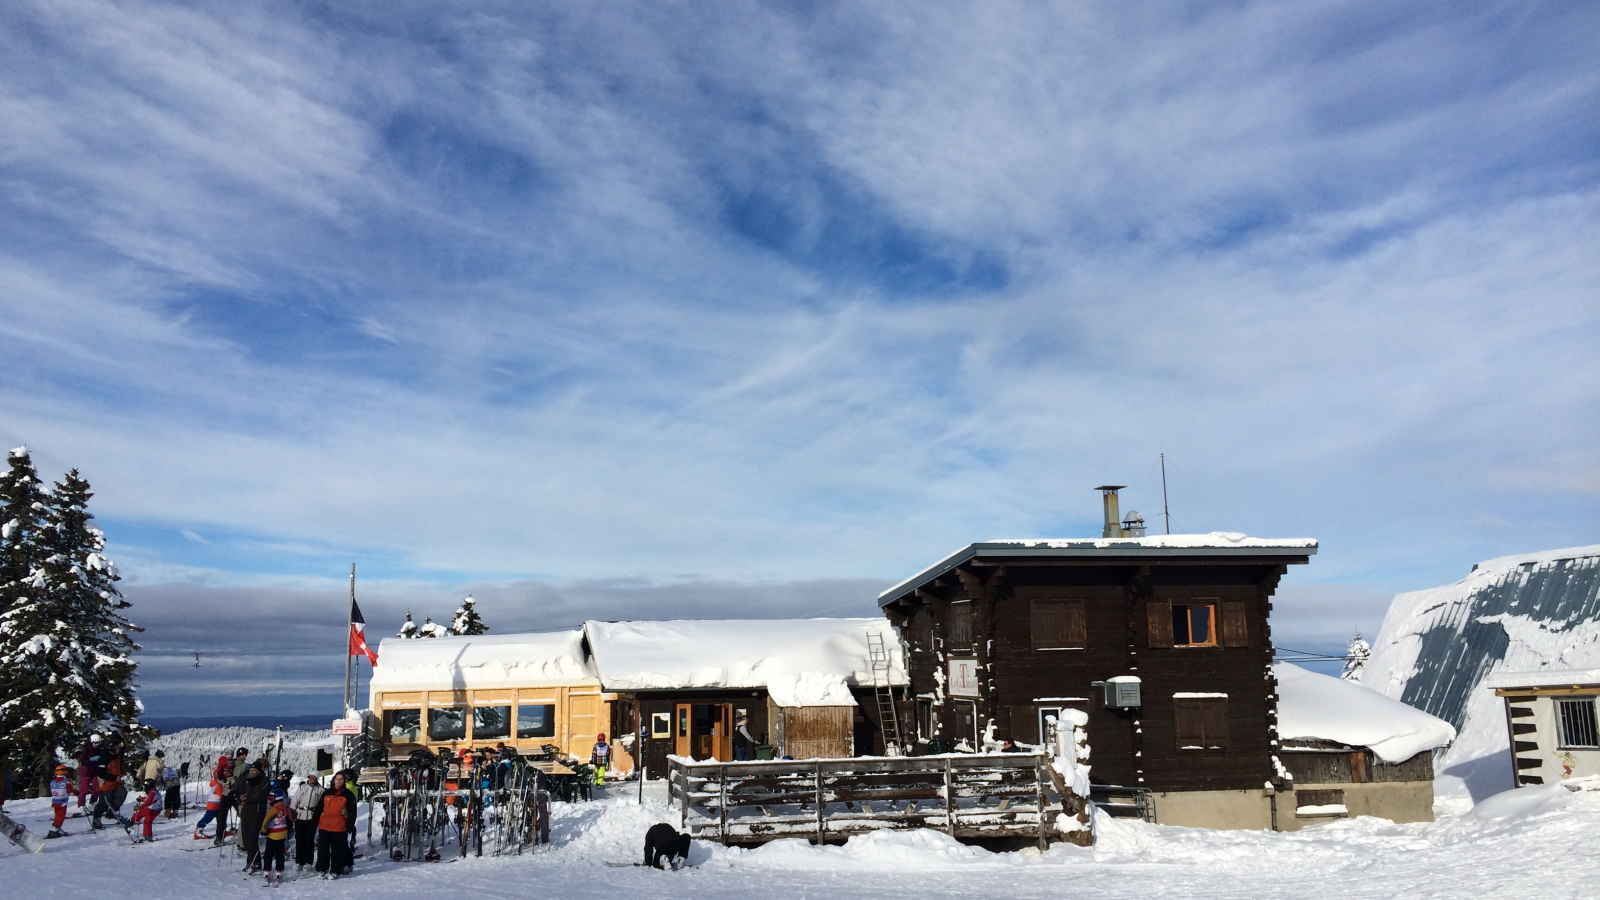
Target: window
{"x": 1058, "y": 625}
{"x": 536, "y": 720}
{"x": 925, "y": 719}
{"x": 1202, "y": 722}
{"x": 403, "y": 724}
{"x": 1194, "y": 625}
{"x": 447, "y": 724}
{"x": 960, "y": 626}
{"x": 489, "y": 722}
{"x": 1578, "y": 722}
{"x": 661, "y": 725}
{"x": 922, "y": 631}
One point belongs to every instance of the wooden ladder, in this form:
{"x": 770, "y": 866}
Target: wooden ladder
{"x": 878, "y": 655}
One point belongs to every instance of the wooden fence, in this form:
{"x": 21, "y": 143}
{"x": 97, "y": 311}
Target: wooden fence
{"x": 965, "y": 795}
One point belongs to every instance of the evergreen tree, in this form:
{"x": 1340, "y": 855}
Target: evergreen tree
{"x": 64, "y": 641}
{"x": 466, "y": 620}
{"x": 1355, "y": 658}
{"x": 22, "y": 511}
{"x": 431, "y": 630}
{"x": 409, "y": 629}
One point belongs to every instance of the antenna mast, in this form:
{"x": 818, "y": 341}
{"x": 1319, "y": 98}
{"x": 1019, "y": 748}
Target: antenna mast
{"x": 1164, "y": 513}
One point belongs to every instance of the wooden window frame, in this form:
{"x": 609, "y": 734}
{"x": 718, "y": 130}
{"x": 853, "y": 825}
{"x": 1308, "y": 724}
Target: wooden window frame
{"x": 1071, "y": 627}
{"x": 1211, "y": 622}
{"x": 951, "y": 635}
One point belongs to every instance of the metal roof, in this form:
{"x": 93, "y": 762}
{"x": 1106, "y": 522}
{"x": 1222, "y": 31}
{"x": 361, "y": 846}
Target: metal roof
{"x": 1216, "y": 544}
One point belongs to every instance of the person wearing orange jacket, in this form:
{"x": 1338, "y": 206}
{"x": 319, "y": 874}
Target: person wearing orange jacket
{"x": 335, "y": 813}
{"x": 214, "y": 808}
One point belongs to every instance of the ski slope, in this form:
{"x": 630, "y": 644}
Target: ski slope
{"x": 1516, "y": 844}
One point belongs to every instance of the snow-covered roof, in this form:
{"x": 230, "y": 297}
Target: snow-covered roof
{"x": 801, "y": 662}
{"x": 1557, "y": 677}
{"x": 1217, "y": 543}
{"x": 1317, "y": 707}
{"x": 543, "y": 659}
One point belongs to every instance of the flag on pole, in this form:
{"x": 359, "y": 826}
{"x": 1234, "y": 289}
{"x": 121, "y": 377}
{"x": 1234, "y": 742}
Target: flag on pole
{"x": 358, "y": 635}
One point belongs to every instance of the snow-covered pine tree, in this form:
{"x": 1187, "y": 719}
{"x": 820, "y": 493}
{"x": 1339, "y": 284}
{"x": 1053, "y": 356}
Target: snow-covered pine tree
{"x": 1355, "y": 658}
{"x": 68, "y": 645}
{"x": 22, "y": 517}
{"x": 409, "y": 629}
{"x": 466, "y": 620}
{"x": 431, "y": 630}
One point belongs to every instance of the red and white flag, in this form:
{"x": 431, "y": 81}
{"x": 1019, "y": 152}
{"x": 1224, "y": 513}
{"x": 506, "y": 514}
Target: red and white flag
{"x": 358, "y": 635}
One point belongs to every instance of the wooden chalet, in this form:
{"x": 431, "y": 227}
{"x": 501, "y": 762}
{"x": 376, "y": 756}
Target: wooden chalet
{"x": 1164, "y": 642}
{"x": 809, "y": 688}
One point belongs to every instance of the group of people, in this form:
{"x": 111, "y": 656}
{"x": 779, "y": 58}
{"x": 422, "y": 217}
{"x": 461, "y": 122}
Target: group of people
{"x": 321, "y": 819}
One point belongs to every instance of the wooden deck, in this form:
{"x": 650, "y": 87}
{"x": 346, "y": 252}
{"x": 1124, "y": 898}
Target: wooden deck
{"x": 964, "y": 795}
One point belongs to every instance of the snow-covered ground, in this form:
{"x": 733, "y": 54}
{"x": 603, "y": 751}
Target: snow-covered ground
{"x": 1533, "y": 842}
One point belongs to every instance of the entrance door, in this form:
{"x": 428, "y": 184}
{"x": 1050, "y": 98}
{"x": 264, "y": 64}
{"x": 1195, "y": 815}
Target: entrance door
{"x": 704, "y": 731}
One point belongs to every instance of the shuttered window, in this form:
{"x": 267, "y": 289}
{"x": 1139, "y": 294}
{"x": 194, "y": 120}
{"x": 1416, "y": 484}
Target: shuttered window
{"x": 1160, "y": 619}
{"x": 1235, "y": 625}
{"x": 1202, "y": 722}
{"x": 959, "y": 632}
{"x": 922, "y": 631}
{"x": 1058, "y": 625}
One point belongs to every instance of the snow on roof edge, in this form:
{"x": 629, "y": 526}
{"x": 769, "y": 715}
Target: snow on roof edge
{"x": 1543, "y": 678}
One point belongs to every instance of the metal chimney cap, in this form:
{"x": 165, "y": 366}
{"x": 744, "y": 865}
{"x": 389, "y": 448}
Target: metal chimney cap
{"x": 1110, "y": 487}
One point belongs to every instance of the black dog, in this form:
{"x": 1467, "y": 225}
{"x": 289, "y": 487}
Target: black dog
{"x": 663, "y": 843}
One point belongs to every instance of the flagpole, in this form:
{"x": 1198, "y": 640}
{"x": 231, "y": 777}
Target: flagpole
{"x": 349, "y": 623}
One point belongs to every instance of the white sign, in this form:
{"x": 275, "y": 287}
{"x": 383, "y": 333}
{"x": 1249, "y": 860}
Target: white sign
{"x": 346, "y": 726}
{"x": 963, "y": 678}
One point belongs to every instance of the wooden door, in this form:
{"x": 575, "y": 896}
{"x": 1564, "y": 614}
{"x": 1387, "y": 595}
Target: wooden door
{"x": 682, "y": 743}
{"x": 722, "y": 732}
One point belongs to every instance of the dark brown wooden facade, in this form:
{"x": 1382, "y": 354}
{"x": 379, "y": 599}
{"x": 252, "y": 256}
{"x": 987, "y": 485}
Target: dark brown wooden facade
{"x": 1042, "y": 623}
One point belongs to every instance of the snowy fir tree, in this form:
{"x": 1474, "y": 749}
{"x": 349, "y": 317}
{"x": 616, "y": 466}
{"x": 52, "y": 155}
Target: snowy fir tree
{"x": 431, "y": 630}
{"x": 64, "y": 642}
{"x": 409, "y": 629}
{"x": 1355, "y": 658}
{"x": 466, "y": 620}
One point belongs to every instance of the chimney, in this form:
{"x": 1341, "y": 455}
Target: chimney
{"x": 1108, "y": 496}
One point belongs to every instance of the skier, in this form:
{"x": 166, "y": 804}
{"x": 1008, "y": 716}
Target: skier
{"x": 110, "y": 794}
{"x": 305, "y": 822}
{"x": 171, "y": 779}
{"x": 335, "y": 814}
{"x": 146, "y": 810}
{"x": 60, "y": 795}
{"x": 224, "y": 777}
{"x": 275, "y": 825}
{"x": 214, "y": 810}
{"x": 151, "y": 770}
{"x": 252, "y": 811}
{"x": 600, "y": 757}
{"x": 88, "y": 762}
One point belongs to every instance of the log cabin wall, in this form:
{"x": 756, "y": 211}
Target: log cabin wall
{"x": 1042, "y": 632}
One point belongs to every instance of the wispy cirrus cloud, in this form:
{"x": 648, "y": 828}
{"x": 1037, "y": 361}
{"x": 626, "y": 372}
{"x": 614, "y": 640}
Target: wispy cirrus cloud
{"x": 762, "y": 295}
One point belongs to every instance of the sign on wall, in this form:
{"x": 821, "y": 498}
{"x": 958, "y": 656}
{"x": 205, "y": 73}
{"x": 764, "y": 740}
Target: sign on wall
{"x": 963, "y": 678}
{"x": 346, "y": 726}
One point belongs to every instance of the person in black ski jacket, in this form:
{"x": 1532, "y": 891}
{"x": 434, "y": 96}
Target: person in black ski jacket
{"x": 253, "y": 801}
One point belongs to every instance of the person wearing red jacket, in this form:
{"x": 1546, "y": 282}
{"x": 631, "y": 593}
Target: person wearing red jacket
{"x": 335, "y": 813}
{"x": 60, "y": 796}
{"x": 146, "y": 811}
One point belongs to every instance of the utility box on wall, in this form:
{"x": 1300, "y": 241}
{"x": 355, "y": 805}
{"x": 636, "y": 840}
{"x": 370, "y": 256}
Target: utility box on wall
{"x": 1122, "y": 692}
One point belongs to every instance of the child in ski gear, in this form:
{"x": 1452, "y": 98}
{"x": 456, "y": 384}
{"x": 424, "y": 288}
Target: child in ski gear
{"x": 146, "y": 810}
{"x": 335, "y": 814}
{"x": 60, "y": 794}
{"x": 276, "y": 827}
{"x": 224, "y": 775}
{"x": 305, "y": 822}
{"x": 214, "y": 809}
{"x": 600, "y": 757}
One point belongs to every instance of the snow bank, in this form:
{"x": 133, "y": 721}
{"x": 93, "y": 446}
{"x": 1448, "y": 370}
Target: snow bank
{"x": 1312, "y": 706}
{"x": 795, "y": 654}
{"x": 460, "y": 662}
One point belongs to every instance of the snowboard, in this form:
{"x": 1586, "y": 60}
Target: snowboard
{"x": 20, "y": 835}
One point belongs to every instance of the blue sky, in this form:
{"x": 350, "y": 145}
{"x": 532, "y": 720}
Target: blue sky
{"x": 693, "y": 309}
